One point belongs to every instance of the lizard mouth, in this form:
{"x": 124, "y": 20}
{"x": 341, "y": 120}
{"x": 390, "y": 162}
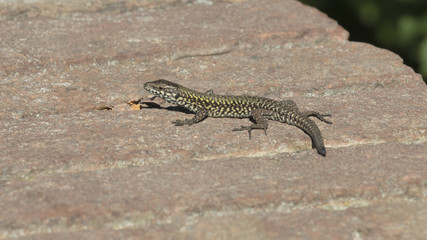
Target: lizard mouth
{"x": 169, "y": 97}
{"x": 153, "y": 90}
{"x": 149, "y": 87}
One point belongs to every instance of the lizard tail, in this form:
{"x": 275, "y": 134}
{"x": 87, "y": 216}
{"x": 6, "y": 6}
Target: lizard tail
{"x": 311, "y": 129}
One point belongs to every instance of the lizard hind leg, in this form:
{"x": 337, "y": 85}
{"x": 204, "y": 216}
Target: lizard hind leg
{"x": 317, "y": 115}
{"x": 289, "y": 104}
{"x": 260, "y": 122}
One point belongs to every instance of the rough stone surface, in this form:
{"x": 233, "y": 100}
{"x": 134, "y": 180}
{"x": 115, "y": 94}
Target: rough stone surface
{"x": 69, "y": 171}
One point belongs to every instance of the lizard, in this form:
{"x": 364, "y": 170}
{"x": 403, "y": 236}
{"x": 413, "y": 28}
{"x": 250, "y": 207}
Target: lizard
{"x": 259, "y": 109}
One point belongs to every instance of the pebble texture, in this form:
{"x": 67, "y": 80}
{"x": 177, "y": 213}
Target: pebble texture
{"x": 69, "y": 171}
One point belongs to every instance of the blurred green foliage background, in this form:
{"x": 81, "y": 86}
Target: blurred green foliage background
{"x": 397, "y": 25}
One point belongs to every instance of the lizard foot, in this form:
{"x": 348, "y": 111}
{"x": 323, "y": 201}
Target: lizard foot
{"x": 249, "y": 129}
{"x": 318, "y": 115}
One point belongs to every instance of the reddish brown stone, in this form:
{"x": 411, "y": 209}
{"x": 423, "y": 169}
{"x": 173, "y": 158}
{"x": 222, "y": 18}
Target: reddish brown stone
{"x": 69, "y": 171}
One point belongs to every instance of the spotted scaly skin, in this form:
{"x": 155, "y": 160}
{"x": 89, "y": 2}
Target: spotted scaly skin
{"x": 260, "y": 109}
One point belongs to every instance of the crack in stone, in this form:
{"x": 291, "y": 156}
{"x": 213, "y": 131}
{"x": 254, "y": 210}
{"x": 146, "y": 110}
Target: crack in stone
{"x": 208, "y": 54}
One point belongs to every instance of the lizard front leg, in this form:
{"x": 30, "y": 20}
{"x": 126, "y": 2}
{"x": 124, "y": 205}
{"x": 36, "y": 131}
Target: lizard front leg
{"x": 200, "y": 116}
{"x": 260, "y": 121}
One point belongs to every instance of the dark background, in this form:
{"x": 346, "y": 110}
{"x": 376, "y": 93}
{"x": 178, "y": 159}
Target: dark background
{"x": 397, "y": 25}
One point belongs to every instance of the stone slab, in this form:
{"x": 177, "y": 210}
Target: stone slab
{"x": 71, "y": 171}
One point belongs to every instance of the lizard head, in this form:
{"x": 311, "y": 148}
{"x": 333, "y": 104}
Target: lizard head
{"x": 164, "y": 89}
